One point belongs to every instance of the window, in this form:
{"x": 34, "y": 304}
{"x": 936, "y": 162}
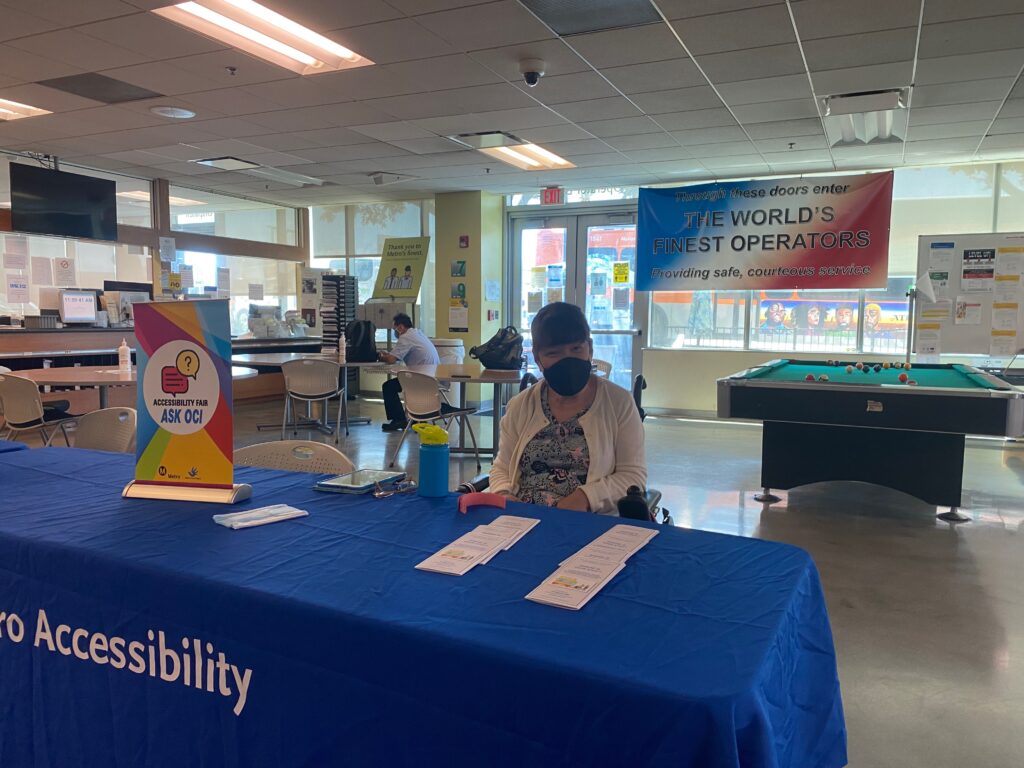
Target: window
{"x": 713, "y": 319}
{"x": 207, "y": 213}
{"x": 885, "y": 317}
{"x": 1011, "y": 198}
{"x": 373, "y": 223}
{"x": 572, "y": 196}
{"x": 328, "y": 227}
{"x": 805, "y": 320}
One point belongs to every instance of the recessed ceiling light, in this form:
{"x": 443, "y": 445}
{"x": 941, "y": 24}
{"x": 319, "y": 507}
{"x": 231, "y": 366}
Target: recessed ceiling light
{"x": 257, "y": 30}
{"x": 528, "y": 157}
{"x": 177, "y": 113}
{"x": 227, "y": 163}
{"x": 12, "y": 110}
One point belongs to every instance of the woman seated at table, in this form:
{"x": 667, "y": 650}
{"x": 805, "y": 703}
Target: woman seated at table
{"x": 574, "y": 440}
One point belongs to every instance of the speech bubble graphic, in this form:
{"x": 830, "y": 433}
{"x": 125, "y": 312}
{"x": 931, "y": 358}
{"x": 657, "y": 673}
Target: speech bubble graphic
{"x": 187, "y": 363}
{"x": 172, "y": 381}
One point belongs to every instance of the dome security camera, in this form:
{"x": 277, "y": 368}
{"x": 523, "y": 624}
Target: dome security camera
{"x": 532, "y": 71}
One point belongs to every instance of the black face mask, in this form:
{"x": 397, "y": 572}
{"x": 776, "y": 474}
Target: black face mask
{"x": 568, "y": 376}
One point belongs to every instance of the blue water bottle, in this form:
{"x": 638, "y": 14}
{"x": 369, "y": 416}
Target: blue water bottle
{"x": 434, "y": 463}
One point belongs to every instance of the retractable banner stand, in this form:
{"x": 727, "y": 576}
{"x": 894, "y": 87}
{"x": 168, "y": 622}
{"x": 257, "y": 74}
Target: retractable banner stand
{"x": 185, "y": 416}
{"x": 818, "y": 233}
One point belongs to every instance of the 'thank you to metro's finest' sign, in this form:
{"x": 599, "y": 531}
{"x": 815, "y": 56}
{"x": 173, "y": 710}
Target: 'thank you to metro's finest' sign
{"x": 820, "y": 232}
{"x": 185, "y": 430}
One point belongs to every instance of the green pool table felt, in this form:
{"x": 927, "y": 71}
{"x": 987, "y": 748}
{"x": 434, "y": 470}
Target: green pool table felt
{"x": 947, "y": 376}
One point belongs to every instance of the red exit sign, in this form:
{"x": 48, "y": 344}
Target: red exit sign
{"x": 552, "y": 196}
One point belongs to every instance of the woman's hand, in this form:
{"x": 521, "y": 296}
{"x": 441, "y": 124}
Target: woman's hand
{"x": 576, "y": 500}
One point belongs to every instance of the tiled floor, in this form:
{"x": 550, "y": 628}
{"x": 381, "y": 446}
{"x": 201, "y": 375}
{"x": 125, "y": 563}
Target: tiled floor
{"x": 928, "y": 619}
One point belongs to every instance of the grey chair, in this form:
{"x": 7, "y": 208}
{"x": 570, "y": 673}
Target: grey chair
{"x": 108, "y": 429}
{"x": 295, "y": 456}
{"x": 24, "y": 412}
{"x": 311, "y": 380}
{"x": 423, "y": 405}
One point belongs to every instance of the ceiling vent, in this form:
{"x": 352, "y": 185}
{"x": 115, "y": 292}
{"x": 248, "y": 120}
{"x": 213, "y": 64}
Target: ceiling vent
{"x": 285, "y": 177}
{"x": 867, "y": 117}
{"x": 100, "y": 88}
{"x": 227, "y": 163}
{"x": 485, "y": 140}
{"x": 382, "y": 179}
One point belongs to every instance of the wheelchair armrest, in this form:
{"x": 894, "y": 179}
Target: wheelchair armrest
{"x": 477, "y": 484}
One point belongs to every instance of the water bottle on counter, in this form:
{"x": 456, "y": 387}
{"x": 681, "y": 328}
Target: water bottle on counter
{"x": 341, "y": 349}
{"x": 124, "y": 357}
{"x": 434, "y": 454}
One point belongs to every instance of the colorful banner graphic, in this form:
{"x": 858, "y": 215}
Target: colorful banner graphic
{"x": 822, "y": 232}
{"x": 402, "y": 262}
{"x": 184, "y": 394}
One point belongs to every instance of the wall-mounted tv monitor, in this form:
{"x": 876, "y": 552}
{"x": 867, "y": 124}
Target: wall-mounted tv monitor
{"x": 78, "y": 307}
{"x": 48, "y": 202}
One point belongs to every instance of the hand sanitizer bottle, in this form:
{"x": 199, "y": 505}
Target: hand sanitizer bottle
{"x": 341, "y": 349}
{"x": 124, "y": 357}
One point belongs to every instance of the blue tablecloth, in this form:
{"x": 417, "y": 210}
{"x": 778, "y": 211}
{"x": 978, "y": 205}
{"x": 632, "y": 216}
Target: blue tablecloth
{"x": 7, "y": 446}
{"x": 707, "y": 650}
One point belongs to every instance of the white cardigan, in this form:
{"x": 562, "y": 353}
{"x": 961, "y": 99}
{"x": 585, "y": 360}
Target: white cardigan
{"x": 615, "y": 441}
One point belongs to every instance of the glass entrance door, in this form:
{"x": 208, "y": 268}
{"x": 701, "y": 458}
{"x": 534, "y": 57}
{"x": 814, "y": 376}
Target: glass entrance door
{"x": 588, "y": 260}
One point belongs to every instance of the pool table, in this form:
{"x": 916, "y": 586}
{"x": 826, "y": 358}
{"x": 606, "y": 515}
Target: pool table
{"x": 868, "y": 426}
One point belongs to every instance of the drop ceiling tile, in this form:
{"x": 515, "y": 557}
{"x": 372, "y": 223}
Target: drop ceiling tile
{"x": 722, "y": 149}
{"x": 489, "y": 25}
{"x": 679, "y": 100}
{"x": 46, "y": 98}
{"x": 662, "y": 154}
{"x": 321, "y": 117}
{"x": 684, "y": 9}
{"x": 74, "y": 13}
{"x": 745, "y": 165}
{"x": 162, "y": 77}
{"x": 513, "y": 120}
{"x": 1002, "y": 125}
{"x": 737, "y": 30}
{"x": 282, "y": 142}
{"x": 573, "y": 149}
{"x": 158, "y": 136}
{"x": 950, "y": 130}
{"x": 1004, "y": 141}
{"x": 582, "y": 86}
{"x": 178, "y": 152}
{"x": 876, "y": 77}
{"x": 598, "y": 109}
{"x": 25, "y": 67}
{"x": 957, "y": 113}
{"x": 281, "y": 160}
{"x": 861, "y": 50}
{"x": 835, "y": 18}
{"x": 484, "y": 98}
{"x": 107, "y": 118}
{"x": 548, "y": 133}
{"x": 228, "y": 101}
{"x": 150, "y": 35}
{"x": 779, "y": 110}
{"x": 699, "y": 136}
{"x": 371, "y": 150}
{"x": 443, "y": 73}
{"x": 971, "y": 36}
{"x": 963, "y": 144}
{"x": 765, "y": 89}
{"x": 216, "y": 68}
{"x": 698, "y": 118}
{"x": 971, "y": 66}
{"x": 655, "y": 76}
{"x": 621, "y": 127}
{"x": 602, "y": 158}
{"x": 770, "y": 61}
{"x": 781, "y": 129}
{"x": 643, "y": 141}
{"x": 429, "y": 146}
{"x": 333, "y": 137}
{"x": 622, "y": 47}
{"x": 953, "y": 10}
{"x": 800, "y": 143}
{"x": 791, "y": 157}
{"x": 78, "y": 50}
{"x": 231, "y": 127}
{"x": 392, "y": 41}
{"x": 391, "y": 131}
{"x": 504, "y": 61}
{"x": 1012, "y": 108}
{"x": 19, "y": 23}
{"x": 324, "y": 15}
{"x": 961, "y": 93}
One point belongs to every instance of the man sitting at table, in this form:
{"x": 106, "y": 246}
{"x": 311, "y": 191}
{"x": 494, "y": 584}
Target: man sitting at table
{"x": 574, "y": 440}
{"x": 413, "y": 348}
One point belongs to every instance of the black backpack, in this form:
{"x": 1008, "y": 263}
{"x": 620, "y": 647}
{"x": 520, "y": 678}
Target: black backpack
{"x": 503, "y": 351}
{"x": 361, "y": 341}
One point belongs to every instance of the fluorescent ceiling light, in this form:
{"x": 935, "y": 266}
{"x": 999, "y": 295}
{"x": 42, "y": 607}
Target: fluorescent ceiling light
{"x": 528, "y": 157}
{"x": 256, "y": 29}
{"x": 12, "y": 110}
{"x": 143, "y": 197}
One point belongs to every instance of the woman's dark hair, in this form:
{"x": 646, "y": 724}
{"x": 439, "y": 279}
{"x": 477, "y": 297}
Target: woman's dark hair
{"x": 558, "y": 323}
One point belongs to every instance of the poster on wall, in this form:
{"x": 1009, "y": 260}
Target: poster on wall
{"x": 17, "y": 290}
{"x": 402, "y": 262}
{"x": 979, "y": 269}
{"x": 310, "y": 291}
{"x": 64, "y": 272}
{"x": 819, "y": 233}
{"x": 42, "y": 271}
{"x": 184, "y": 396}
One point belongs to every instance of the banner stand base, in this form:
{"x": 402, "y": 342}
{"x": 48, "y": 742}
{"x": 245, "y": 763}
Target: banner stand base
{"x": 234, "y": 494}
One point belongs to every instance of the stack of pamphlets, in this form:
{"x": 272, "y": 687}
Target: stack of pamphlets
{"x": 479, "y": 545}
{"x": 585, "y": 573}
{"x": 252, "y": 517}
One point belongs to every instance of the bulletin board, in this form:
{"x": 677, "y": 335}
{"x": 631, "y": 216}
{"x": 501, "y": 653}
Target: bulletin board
{"x": 976, "y": 279}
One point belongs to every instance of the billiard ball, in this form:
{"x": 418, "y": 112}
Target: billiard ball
{"x": 878, "y": 368}
{"x": 830, "y": 362}
{"x": 809, "y": 377}
{"x": 860, "y": 366}
{"x": 906, "y": 366}
{"x": 912, "y": 382}
{"x": 823, "y": 377}
{"x": 887, "y": 365}
{"x": 903, "y": 378}
{"x": 849, "y": 369}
